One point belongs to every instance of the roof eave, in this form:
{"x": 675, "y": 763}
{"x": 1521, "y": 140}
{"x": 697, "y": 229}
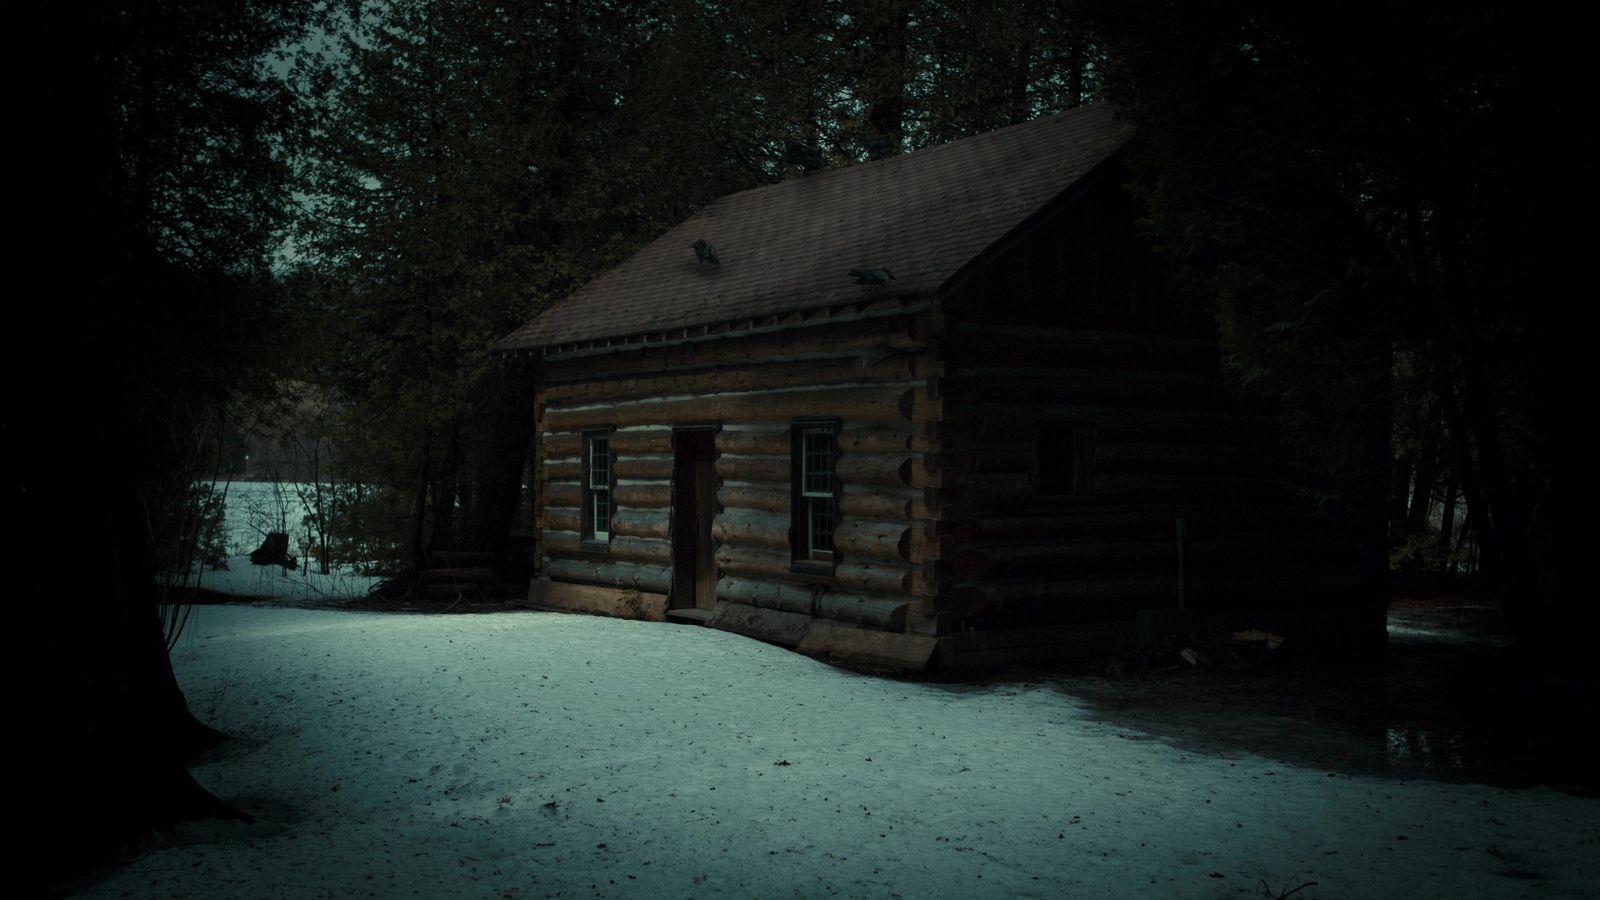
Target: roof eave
{"x": 900, "y": 304}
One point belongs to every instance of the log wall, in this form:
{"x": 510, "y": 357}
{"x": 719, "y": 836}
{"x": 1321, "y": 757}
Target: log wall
{"x": 874, "y": 375}
{"x": 1076, "y": 323}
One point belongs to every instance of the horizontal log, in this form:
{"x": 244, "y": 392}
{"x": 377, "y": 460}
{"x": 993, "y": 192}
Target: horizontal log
{"x": 774, "y": 441}
{"x": 870, "y": 403}
{"x": 867, "y": 439}
{"x": 563, "y": 470}
{"x": 642, "y": 440}
{"x": 782, "y": 628}
{"x": 757, "y": 497}
{"x": 1098, "y": 386}
{"x": 984, "y": 345}
{"x": 1093, "y": 597}
{"x": 641, "y": 550}
{"x": 1185, "y": 488}
{"x": 852, "y": 438}
{"x": 1144, "y": 522}
{"x": 755, "y": 562}
{"x": 766, "y": 375}
{"x": 1164, "y": 458}
{"x": 630, "y": 466}
{"x": 772, "y": 469}
{"x": 873, "y": 577}
{"x": 653, "y": 495}
{"x": 565, "y": 445}
{"x": 826, "y": 341}
{"x": 873, "y": 540}
{"x": 606, "y": 601}
{"x": 817, "y": 600}
{"x": 1012, "y": 560}
{"x": 562, "y": 518}
{"x": 1011, "y": 457}
{"x": 878, "y": 469}
{"x": 562, "y": 493}
{"x": 751, "y": 528}
{"x": 996, "y": 492}
{"x": 561, "y": 544}
{"x": 645, "y": 523}
{"x": 1280, "y": 591}
{"x": 1009, "y": 422}
{"x": 1013, "y": 492}
{"x": 795, "y": 598}
{"x": 641, "y": 577}
{"x": 879, "y": 504}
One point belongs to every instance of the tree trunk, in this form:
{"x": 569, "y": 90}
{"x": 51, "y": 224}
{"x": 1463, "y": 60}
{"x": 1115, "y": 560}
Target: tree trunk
{"x": 1400, "y": 491}
{"x": 1427, "y": 473}
{"x": 105, "y": 715}
{"x": 1075, "y": 66}
{"x": 885, "y": 77}
{"x": 442, "y": 535}
{"x": 419, "y": 514}
{"x": 1447, "y": 517}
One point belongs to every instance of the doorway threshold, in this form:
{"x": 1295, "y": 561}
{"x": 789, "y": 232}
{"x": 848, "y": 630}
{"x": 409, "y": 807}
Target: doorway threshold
{"x": 689, "y": 614}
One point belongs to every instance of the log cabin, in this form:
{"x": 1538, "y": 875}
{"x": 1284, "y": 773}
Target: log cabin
{"x": 942, "y": 410}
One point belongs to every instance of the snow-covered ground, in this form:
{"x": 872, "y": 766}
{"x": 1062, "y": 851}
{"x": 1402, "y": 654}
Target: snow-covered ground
{"x": 303, "y": 586}
{"x": 538, "y": 754}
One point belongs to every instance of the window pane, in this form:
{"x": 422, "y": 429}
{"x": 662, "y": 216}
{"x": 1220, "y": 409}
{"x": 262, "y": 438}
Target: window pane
{"x": 821, "y": 524}
{"x": 817, "y": 463}
{"x": 599, "y": 463}
{"x": 1058, "y": 460}
{"x": 602, "y": 513}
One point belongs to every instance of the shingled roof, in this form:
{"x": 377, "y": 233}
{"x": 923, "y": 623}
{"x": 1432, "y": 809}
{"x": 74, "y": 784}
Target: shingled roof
{"x": 786, "y": 247}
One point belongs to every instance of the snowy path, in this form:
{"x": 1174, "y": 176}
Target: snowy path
{"x": 535, "y": 754}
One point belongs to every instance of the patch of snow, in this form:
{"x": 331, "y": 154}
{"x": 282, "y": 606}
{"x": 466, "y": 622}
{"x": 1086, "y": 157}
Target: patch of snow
{"x": 535, "y": 754}
{"x": 304, "y": 585}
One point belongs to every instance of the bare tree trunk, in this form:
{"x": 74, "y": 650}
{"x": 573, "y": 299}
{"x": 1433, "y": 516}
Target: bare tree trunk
{"x": 1075, "y": 66}
{"x": 1427, "y": 474}
{"x": 1447, "y": 519}
{"x": 1400, "y": 491}
{"x": 444, "y": 506}
{"x": 885, "y": 77}
{"x": 419, "y": 517}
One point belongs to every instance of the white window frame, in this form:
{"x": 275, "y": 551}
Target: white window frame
{"x": 597, "y": 528}
{"x": 815, "y": 498}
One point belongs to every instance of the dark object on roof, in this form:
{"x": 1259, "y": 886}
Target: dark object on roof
{"x": 933, "y": 212}
{"x": 878, "y": 277}
{"x": 705, "y": 252}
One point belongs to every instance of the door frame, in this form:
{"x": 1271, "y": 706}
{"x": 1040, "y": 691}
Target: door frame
{"x": 693, "y": 547}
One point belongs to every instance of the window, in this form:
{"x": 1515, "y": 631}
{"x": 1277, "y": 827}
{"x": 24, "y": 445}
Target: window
{"x": 597, "y": 486}
{"x": 814, "y": 490}
{"x": 1061, "y": 460}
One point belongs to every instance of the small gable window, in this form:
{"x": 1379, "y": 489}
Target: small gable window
{"x": 597, "y": 484}
{"x": 1061, "y": 460}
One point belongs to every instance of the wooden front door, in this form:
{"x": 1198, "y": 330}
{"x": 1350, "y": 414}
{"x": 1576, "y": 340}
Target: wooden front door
{"x": 694, "y": 505}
